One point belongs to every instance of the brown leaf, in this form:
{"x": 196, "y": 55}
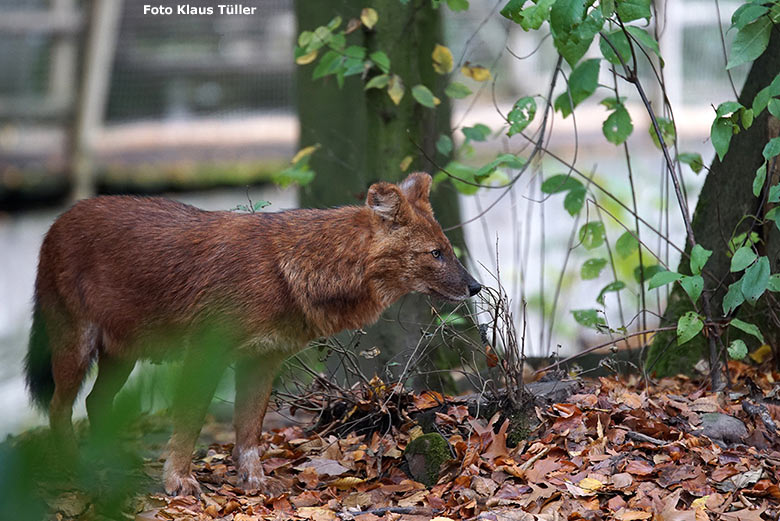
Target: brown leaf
{"x": 324, "y": 466}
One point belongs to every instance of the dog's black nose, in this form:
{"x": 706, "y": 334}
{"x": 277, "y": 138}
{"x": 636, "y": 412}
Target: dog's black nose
{"x": 474, "y": 288}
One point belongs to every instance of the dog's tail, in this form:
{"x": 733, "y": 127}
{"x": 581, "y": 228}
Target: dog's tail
{"x": 37, "y": 364}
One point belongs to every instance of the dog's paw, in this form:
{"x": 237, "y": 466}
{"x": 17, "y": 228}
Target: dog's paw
{"x": 266, "y": 485}
{"x": 181, "y": 485}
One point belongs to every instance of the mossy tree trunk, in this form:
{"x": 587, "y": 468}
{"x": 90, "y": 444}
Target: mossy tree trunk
{"x": 365, "y": 137}
{"x": 726, "y": 198}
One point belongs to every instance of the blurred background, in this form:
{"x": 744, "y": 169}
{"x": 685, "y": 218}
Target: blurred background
{"x": 96, "y": 97}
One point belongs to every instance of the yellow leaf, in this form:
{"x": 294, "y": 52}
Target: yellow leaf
{"x": 405, "y": 163}
{"x": 761, "y": 354}
{"x": 306, "y": 58}
{"x": 442, "y": 59}
{"x": 415, "y": 432}
{"x": 700, "y": 502}
{"x": 346, "y": 483}
{"x": 395, "y": 89}
{"x": 475, "y": 72}
{"x": 304, "y": 152}
{"x": 590, "y": 484}
{"x": 369, "y": 17}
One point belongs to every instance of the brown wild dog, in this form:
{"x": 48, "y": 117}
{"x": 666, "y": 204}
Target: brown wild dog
{"x": 123, "y": 278}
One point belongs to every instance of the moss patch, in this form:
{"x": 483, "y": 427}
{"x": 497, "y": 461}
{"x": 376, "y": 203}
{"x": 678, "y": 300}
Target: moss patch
{"x": 425, "y": 456}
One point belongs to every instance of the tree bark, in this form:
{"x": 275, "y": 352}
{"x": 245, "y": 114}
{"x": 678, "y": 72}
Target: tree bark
{"x": 726, "y": 198}
{"x": 365, "y": 137}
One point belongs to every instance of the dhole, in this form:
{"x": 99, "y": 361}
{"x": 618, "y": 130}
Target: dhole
{"x": 123, "y": 278}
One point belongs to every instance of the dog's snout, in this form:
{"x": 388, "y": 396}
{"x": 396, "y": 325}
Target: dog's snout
{"x": 474, "y": 288}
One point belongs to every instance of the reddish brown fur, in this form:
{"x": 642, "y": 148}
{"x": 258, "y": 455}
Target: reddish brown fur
{"x": 117, "y": 272}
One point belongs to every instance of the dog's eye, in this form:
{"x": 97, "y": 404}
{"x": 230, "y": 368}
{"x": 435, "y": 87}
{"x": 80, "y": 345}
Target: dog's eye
{"x": 436, "y": 254}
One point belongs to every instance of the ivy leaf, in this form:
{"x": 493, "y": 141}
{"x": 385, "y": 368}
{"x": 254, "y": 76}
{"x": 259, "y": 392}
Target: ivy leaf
{"x": 378, "y": 82}
{"x": 521, "y": 115}
{"x": 751, "y": 42}
{"x": 560, "y": 183}
{"x": 747, "y": 327}
{"x": 457, "y": 90}
{"x": 728, "y": 107}
{"x": 733, "y": 298}
{"x": 693, "y": 286}
{"x": 774, "y": 214}
{"x": 592, "y": 235}
{"x": 774, "y": 195}
{"x": 759, "y": 180}
{"x": 591, "y": 268}
{"x": 381, "y": 60}
{"x": 574, "y": 200}
{"x": 582, "y": 83}
{"x": 617, "y": 127}
{"x": 742, "y": 258}
{"x": 588, "y": 317}
{"x": 328, "y": 64}
{"x": 699, "y": 257}
{"x": 442, "y": 59}
{"x": 668, "y": 132}
{"x": 761, "y": 100}
{"x": 662, "y": 278}
{"x": 444, "y": 145}
{"x": 688, "y": 326}
{"x": 756, "y": 280}
{"x": 720, "y": 135}
{"x": 478, "y": 132}
{"x": 692, "y": 159}
{"x": 773, "y": 106}
{"x": 424, "y": 96}
{"x": 612, "y": 287}
{"x": 626, "y": 245}
{"x": 772, "y": 148}
{"x": 774, "y": 283}
{"x": 738, "y": 350}
{"x": 630, "y": 10}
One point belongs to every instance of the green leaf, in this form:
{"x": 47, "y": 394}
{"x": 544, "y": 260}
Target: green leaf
{"x": 592, "y": 235}
{"x": 737, "y": 350}
{"x": 662, "y": 278}
{"x": 772, "y": 148}
{"x": 560, "y": 183}
{"x": 649, "y": 273}
{"x": 644, "y": 38}
{"x": 759, "y": 180}
{"x": 424, "y": 96}
{"x": 626, "y": 245}
{"x": 566, "y": 14}
{"x": 463, "y": 176}
{"x": 699, "y": 257}
{"x": 574, "y": 200}
{"x": 591, "y": 268}
{"x": 521, "y": 115}
{"x": 774, "y": 214}
{"x": 381, "y": 60}
{"x": 478, "y": 132}
{"x": 618, "y": 39}
{"x": 693, "y": 286}
{"x": 328, "y": 64}
{"x": 457, "y": 90}
{"x": 747, "y": 13}
{"x": 761, "y": 100}
{"x": 458, "y": 5}
{"x": 444, "y": 145}
{"x": 630, "y": 10}
{"x": 746, "y": 116}
{"x": 756, "y": 280}
{"x": 728, "y": 107}
{"x": 668, "y": 133}
{"x": 531, "y": 17}
{"x": 572, "y": 35}
{"x": 692, "y": 159}
{"x": 688, "y": 326}
{"x": 509, "y": 160}
{"x": 774, "y": 195}
{"x": 733, "y": 298}
{"x": 773, "y": 106}
{"x": 617, "y": 127}
{"x": 774, "y": 283}
{"x": 750, "y": 43}
{"x": 720, "y": 135}
{"x": 588, "y": 317}
{"x": 742, "y": 258}
{"x": 612, "y": 287}
{"x": 582, "y": 83}
{"x": 747, "y": 327}
{"x": 378, "y": 82}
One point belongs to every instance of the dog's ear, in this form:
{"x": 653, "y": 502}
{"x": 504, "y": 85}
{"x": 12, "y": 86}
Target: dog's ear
{"x": 416, "y": 187}
{"x": 388, "y": 201}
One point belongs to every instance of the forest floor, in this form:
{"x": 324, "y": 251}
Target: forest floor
{"x": 614, "y": 449}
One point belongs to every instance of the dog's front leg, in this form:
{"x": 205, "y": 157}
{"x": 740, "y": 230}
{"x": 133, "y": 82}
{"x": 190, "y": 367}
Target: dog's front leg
{"x": 254, "y": 380}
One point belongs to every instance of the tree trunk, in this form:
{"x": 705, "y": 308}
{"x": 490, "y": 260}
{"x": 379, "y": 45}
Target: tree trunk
{"x": 726, "y": 198}
{"x": 365, "y": 137}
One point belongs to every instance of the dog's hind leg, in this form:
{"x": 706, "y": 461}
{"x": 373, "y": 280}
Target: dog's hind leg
{"x": 113, "y": 372}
